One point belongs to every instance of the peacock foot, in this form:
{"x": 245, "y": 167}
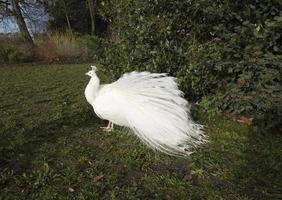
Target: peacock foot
{"x": 108, "y": 128}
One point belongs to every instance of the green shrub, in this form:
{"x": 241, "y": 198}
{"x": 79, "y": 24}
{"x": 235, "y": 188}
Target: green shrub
{"x": 228, "y": 51}
{"x": 203, "y": 70}
{"x": 257, "y": 91}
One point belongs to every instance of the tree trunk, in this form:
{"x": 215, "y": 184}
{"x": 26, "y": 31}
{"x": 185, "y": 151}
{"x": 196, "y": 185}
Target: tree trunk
{"x": 92, "y": 5}
{"x": 67, "y": 16}
{"x": 68, "y": 22}
{"x": 21, "y": 23}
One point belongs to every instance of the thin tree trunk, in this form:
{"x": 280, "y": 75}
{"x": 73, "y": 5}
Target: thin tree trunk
{"x": 21, "y": 23}
{"x": 67, "y": 16}
{"x": 68, "y": 22}
{"x": 92, "y": 5}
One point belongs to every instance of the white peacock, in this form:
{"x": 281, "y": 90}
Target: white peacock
{"x": 151, "y": 105}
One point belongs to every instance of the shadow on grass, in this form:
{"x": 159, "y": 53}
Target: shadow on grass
{"x": 237, "y": 164}
{"x": 238, "y": 161}
{"x": 19, "y": 155}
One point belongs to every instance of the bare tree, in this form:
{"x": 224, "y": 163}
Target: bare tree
{"x": 12, "y": 8}
{"x": 16, "y": 9}
{"x": 92, "y": 5}
{"x": 66, "y": 13}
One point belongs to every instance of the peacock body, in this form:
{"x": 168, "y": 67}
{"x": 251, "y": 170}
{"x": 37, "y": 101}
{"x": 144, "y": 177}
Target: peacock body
{"x": 152, "y": 106}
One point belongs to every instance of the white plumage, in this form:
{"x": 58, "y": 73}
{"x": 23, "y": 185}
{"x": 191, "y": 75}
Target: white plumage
{"x": 151, "y": 105}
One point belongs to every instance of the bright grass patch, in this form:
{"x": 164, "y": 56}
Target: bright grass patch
{"x": 51, "y": 147}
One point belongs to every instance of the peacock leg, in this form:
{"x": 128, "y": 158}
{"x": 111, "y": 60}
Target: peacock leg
{"x": 109, "y": 127}
{"x": 105, "y": 128}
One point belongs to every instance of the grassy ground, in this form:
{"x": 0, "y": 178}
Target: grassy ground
{"x": 51, "y": 147}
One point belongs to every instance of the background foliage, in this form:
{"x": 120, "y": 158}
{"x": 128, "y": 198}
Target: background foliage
{"x": 228, "y": 52}
{"x": 78, "y": 13}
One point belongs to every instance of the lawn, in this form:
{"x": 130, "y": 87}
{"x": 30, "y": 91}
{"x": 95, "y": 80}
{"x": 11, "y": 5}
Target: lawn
{"x": 51, "y": 147}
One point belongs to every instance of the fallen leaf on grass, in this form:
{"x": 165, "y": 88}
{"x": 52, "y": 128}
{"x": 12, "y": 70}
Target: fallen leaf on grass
{"x": 245, "y": 120}
{"x": 97, "y": 178}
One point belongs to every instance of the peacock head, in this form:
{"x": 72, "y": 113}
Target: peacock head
{"x": 92, "y": 72}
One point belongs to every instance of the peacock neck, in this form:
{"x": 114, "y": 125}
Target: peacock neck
{"x": 92, "y": 88}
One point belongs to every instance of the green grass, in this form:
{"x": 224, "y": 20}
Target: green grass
{"x": 51, "y": 147}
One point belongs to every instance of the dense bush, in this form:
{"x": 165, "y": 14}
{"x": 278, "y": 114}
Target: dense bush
{"x": 228, "y": 51}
